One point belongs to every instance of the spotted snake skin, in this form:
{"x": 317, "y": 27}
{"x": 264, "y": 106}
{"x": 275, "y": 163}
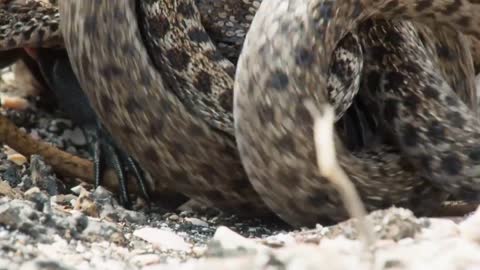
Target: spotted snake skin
{"x": 185, "y": 152}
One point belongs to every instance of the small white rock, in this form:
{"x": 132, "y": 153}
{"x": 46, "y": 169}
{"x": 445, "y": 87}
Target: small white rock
{"x": 8, "y": 77}
{"x": 197, "y": 222}
{"x": 282, "y": 239}
{"x": 32, "y": 191}
{"x": 232, "y": 240}
{"x": 162, "y": 239}
{"x": 77, "y": 189}
{"x": 174, "y": 217}
{"x": 470, "y": 228}
{"x": 145, "y": 259}
{"x": 199, "y": 250}
{"x": 80, "y": 248}
{"x": 439, "y": 228}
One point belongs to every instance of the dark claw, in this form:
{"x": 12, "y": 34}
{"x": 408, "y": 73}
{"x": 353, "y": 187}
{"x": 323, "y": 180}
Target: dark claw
{"x": 106, "y": 153}
{"x": 55, "y": 68}
{"x": 97, "y": 163}
{"x": 100, "y": 152}
{"x": 137, "y": 171}
{"x": 116, "y": 164}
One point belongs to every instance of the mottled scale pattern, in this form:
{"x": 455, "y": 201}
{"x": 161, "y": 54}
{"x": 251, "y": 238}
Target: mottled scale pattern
{"x": 344, "y": 75}
{"x": 454, "y": 55}
{"x": 25, "y": 23}
{"x": 36, "y": 23}
{"x": 176, "y": 147}
{"x": 181, "y": 70}
{"x": 436, "y": 130}
{"x": 231, "y": 165}
{"x": 278, "y": 151}
{"x": 227, "y": 22}
{"x": 192, "y": 67}
{"x": 449, "y": 51}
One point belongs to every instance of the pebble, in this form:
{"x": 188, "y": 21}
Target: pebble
{"x": 14, "y": 103}
{"x": 174, "y": 217}
{"x": 63, "y": 199}
{"x": 279, "y": 240}
{"x": 86, "y": 205}
{"x": 17, "y": 158}
{"x": 162, "y": 239}
{"x": 8, "y": 77}
{"x": 226, "y": 241}
{"x": 197, "y": 222}
{"x": 440, "y": 228}
{"x": 36, "y": 196}
{"x": 77, "y": 189}
{"x": 12, "y": 176}
{"x": 470, "y": 228}
{"x": 146, "y": 259}
{"x": 59, "y": 124}
{"x": 41, "y": 175}
{"x": 6, "y": 190}
{"x": 199, "y": 251}
{"x": 76, "y": 136}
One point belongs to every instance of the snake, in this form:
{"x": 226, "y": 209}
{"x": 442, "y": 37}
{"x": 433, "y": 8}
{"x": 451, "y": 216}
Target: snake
{"x": 213, "y": 189}
{"x": 433, "y": 128}
{"x": 105, "y": 65}
{"x": 176, "y": 148}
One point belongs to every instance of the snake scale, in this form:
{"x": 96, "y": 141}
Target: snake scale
{"x": 160, "y": 122}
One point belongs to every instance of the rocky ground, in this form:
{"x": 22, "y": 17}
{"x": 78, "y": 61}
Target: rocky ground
{"x": 46, "y": 223}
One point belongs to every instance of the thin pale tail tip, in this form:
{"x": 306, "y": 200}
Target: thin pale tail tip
{"x": 323, "y": 137}
{"x": 323, "y": 132}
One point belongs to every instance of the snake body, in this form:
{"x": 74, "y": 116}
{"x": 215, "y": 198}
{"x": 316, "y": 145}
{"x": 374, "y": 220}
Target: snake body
{"x": 178, "y": 122}
{"x": 184, "y": 152}
{"x": 178, "y": 148}
{"x": 270, "y": 78}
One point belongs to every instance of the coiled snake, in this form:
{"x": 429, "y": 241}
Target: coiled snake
{"x": 141, "y": 85}
{"x": 435, "y": 131}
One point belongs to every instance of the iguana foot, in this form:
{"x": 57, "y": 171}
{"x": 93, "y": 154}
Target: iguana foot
{"x": 56, "y": 70}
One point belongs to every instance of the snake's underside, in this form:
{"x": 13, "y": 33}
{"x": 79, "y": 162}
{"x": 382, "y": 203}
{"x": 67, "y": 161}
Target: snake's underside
{"x": 172, "y": 107}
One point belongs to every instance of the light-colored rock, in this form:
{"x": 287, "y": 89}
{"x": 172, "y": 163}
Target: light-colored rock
{"x": 197, "y": 222}
{"x": 17, "y": 158}
{"x": 278, "y": 240}
{"x": 162, "y": 239}
{"x": 14, "y": 103}
{"x": 174, "y": 217}
{"x": 6, "y": 190}
{"x": 440, "y": 228}
{"x": 78, "y": 189}
{"x": 199, "y": 250}
{"x": 229, "y": 239}
{"x": 470, "y": 228}
{"x": 76, "y": 136}
{"x": 146, "y": 259}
